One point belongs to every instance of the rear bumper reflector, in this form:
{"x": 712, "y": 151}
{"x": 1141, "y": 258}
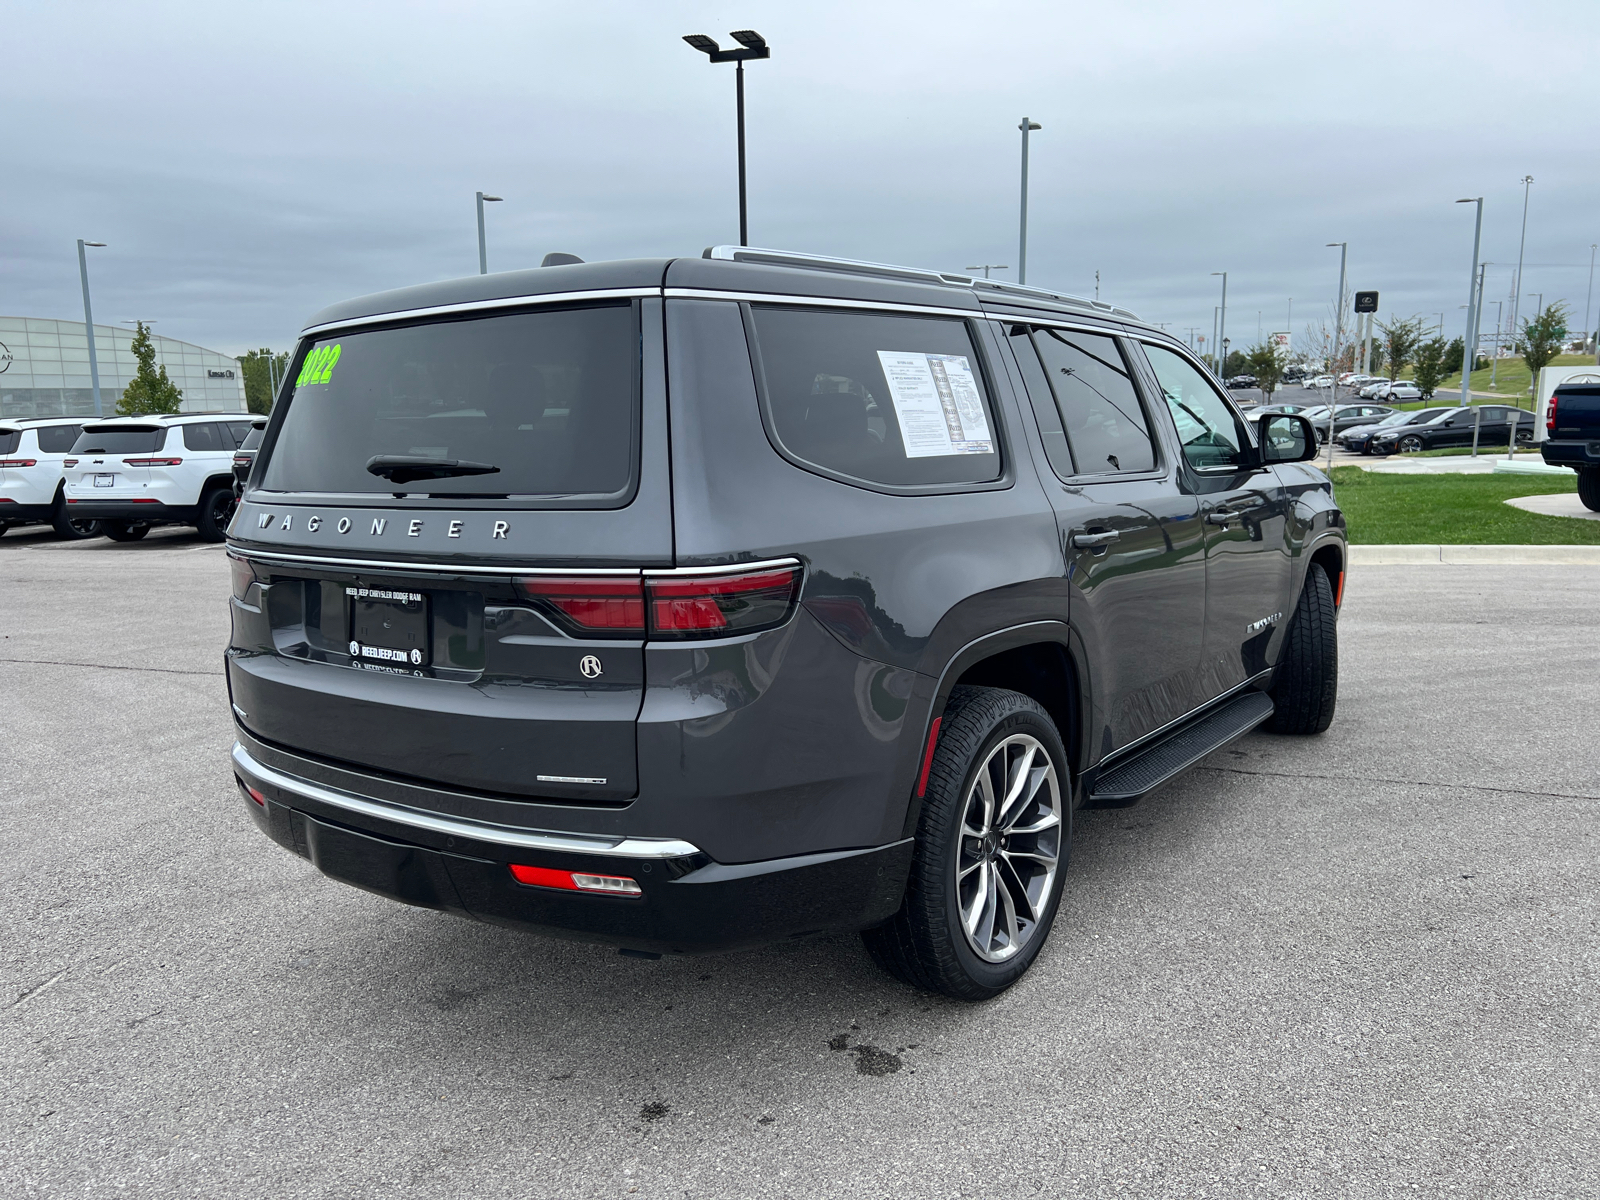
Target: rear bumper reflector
{"x": 575, "y": 881}
{"x": 927, "y": 757}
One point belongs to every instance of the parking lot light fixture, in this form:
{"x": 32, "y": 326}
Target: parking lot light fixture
{"x": 483, "y": 246}
{"x": 1467, "y": 346}
{"x": 88, "y": 323}
{"x": 1516, "y": 283}
{"x": 1027, "y": 126}
{"x": 1338, "y": 340}
{"x": 1222, "y": 324}
{"x": 754, "y": 46}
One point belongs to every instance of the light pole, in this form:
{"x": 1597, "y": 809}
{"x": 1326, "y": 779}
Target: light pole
{"x": 1027, "y": 127}
{"x": 1338, "y": 341}
{"x": 1538, "y": 308}
{"x": 987, "y": 267}
{"x": 1222, "y": 324}
{"x": 1494, "y": 363}
{"x": 1289, "y": 323}
{"x": 88, "y": 323}
{"x": 1516, "y": 286}
{"x": 1589, "y": 295}
{"x": 1472, "y": 300}
{"x": 755, "y": 46}
{"x": 483, "y": 246}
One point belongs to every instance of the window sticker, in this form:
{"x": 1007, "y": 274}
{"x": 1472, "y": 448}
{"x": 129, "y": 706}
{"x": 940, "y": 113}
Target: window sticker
{"x": 937, "y": 400}
{"x": 319, "y": 364}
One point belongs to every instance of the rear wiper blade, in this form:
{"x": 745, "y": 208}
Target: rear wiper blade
{"x": 407, "y": 468}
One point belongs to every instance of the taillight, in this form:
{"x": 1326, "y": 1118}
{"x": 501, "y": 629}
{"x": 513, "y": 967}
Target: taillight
{"x": 153, "y": 462}
{"x": 243, "y": 576}
{"x": 17, "y": 462}
{"x": 708, "y": 605}
{"x": 240, "y": 460}
{"x": 1549, "y": 420}
{"x": 576, "y": 881}
{"x": 69, "y": 462}
{"x": 591, "y": 605}
{"x": 668, "y": 606}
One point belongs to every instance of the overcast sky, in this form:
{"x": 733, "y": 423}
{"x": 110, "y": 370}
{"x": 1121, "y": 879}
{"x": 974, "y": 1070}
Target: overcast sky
{"x": 250, "y": 163}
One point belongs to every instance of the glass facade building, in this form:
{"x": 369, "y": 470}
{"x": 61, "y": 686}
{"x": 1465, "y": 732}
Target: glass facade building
{"x": 44, "y": 370}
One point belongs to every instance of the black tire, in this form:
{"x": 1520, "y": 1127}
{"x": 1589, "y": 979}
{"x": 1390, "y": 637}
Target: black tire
{"x": 216, "y": 510}
{"x": 124, "y": 531}
{"x": 1410, "y": 444}
{"x": 69, "y": 528}
{"x": 1524, "y": 437}
{"x": 1589, "y": 488}
{"x": 1306, "y": 687}
{"x": 924, "y": 944}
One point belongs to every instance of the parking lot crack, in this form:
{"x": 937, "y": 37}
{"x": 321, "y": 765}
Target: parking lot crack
{"x": 51, "y": 662}
{"x": 1471, "y": 787}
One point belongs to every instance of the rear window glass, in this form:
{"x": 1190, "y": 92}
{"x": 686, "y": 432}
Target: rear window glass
{"x": 884, "y": 399}
{"x": 253, "y": 439}
{"x": 533, "y": 404}
{"x": 57, "y": 439}
{"x": 10, "y": 441}
{"x": 204, "y": 437}
{"x": 115, "y": 440}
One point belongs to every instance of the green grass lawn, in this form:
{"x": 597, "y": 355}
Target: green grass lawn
{"x": 1454, "y": 510}
{"x": 1511, "y": 378}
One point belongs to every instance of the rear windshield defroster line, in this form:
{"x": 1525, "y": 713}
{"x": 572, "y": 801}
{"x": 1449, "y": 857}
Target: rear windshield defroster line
{"x": 548, "y": 398}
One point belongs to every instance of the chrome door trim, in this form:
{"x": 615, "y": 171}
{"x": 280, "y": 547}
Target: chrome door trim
{"x": 566, "y": 843}
{"x": 442, "y": 310}
{"x": 678, "y": 293}
{"x": 440, "y": 568}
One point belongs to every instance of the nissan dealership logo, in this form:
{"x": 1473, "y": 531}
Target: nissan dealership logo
{"x": 5, "y": 358}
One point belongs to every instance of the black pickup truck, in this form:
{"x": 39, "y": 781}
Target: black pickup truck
{"x": 1572, "y": 427}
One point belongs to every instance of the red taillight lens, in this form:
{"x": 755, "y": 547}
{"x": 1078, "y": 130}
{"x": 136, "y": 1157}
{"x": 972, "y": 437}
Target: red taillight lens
{"x": 17, "y": 462}
{"x": 69, "y": 462}
{"x": 153, "y": 462}
{"x": 1549, "y": 420}
{"x": 598, "y": 605}
{"x": 668, "y": 606}
{"x": 720, "y": 604}
{"x": 575, "y": 881}
{"x": 243, "y": 576}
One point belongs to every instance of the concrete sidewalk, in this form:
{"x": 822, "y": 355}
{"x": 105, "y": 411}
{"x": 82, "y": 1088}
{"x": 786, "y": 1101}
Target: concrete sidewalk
{"x": 1464, "y": 556}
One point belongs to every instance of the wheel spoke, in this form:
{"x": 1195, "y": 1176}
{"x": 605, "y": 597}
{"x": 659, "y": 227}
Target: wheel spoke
{"x": 973, "y": 917}
{"x": 1048, "y": 821}
{"x": 963, "y": 872}
{"x": 1010, "y": 910}
{"x": 1018, "y": 893}
{"x": 1016, "y": 785}
{"x": 1038, "y": 856}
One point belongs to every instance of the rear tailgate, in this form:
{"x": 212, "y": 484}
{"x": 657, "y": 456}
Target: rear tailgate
{"x": 412, "y": 621}
{"x": 1575, "y": 413}
{"x": 110, "y": 461}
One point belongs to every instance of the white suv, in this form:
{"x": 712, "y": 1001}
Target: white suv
{"x": 32, "y": 451}
{"x": 133, "y": 473}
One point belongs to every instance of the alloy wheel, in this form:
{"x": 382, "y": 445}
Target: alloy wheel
{"x": 1410, "y": 445}
{"x": 1010, "y": 847}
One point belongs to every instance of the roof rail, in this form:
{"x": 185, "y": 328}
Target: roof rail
{"x": 852, "y": 266}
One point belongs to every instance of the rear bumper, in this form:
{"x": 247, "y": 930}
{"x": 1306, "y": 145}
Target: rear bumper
{"x": 11, "y": 511}
{"x": 1569, "y": 454}
{"x": 127, "y": 510}
{"x": 690, "y": 903}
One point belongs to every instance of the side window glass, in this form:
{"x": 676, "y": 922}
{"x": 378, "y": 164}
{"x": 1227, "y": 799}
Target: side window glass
{"x": 239, "y": 430}
{"x": 1042, "y": 401}
{"x": 57, "y": 439}
{"x": 877, "y": 397}
{"x": 1212, "y": 439}
{"x": 202, "y": 437}
{"x": 1100, "y": 410}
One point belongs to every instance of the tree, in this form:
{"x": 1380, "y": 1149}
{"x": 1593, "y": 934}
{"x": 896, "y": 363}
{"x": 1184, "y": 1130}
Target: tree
{"x": 1267, "y": 362}
{"x": 258, "y": 395}
{"x": 1234, "y": 365}
{"x": 1431, "y": 366}
{"x": 1541, "y": 339}
{"x": 1399, "y": 342}
{"x": 151, "y": 391}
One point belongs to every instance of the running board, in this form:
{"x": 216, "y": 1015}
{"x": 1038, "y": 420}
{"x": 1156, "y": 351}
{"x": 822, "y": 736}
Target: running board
{"x": 1126, "y": 783}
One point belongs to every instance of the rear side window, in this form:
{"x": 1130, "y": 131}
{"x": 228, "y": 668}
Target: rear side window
{"x": 57, "y": 439}
{"x": 1092, "y": 387}
{"x": 124, "y": 440}
{"x": 10, "y": 441}
{"x": 234, "y": 433}
{"x": 880, "y": 398}
{"x": 536, "y": 405}
{"x": 204, "y": 437}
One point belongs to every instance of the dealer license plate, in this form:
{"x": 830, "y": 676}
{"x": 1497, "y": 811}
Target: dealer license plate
{"x": 105, "y": 481}
{"x": 388, "y": 627}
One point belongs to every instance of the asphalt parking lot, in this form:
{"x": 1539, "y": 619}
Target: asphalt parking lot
{"x": 1359, "y": 965}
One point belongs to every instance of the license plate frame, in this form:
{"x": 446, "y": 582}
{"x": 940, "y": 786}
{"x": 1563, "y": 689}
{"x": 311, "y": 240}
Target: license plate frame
{"x": 389, "y": 627}
{"x": 105, "y": 479}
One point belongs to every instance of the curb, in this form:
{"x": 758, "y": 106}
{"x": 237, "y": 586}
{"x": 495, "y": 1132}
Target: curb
{"x": 1474, "y": 556}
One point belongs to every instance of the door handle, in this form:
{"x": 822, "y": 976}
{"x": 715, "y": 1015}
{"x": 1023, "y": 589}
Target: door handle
{"x": 1220, "y": 518}
{"x": 1088, "y": 541}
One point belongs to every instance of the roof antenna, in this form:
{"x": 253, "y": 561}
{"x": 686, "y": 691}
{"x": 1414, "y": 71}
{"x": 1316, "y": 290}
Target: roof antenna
{"x": 556, "y": 258}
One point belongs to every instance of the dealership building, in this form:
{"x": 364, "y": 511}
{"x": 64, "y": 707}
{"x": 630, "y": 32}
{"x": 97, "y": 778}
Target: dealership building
{"x": 44, "y": 370}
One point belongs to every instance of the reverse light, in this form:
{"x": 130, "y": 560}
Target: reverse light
{"x": 153, "y": 462}
{"x": 591, "y": 605}
{"x": 575, "y": 881}
{"x": 17, "y": 462}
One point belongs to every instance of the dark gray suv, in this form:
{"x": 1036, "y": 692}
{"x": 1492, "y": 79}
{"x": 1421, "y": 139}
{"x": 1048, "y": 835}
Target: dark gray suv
{"x": 697, "y": 603}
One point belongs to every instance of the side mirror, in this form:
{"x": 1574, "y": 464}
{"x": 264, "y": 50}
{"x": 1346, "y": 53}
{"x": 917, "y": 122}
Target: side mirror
{"x": 1286, "y": 438}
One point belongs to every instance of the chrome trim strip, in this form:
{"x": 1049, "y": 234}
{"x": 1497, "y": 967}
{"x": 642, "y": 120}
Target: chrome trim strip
{"x": 765, "y": 564}
{"x": 439, "y": 310}
{"x": 826, "y": 302}
{"x": 566, "y": 843}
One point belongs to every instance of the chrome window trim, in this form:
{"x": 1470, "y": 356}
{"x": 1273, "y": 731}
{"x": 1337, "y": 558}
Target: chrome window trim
{"x": 567, "y": 843}
{"x": 824, "y": 302}
{"x": 439, "y": 568}
{"x": 443, "y": 310}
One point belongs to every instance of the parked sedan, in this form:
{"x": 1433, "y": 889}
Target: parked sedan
{"x": 1345, "y": 416}
{"x": 1317, "y": 381}
{"x": 1272, "y": 410}
{"x": 1242, "y": 381}
{"x": 1454, "y": 427}
{"x": 1358, "y": 438}
{"x": 1400, "y": 389}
